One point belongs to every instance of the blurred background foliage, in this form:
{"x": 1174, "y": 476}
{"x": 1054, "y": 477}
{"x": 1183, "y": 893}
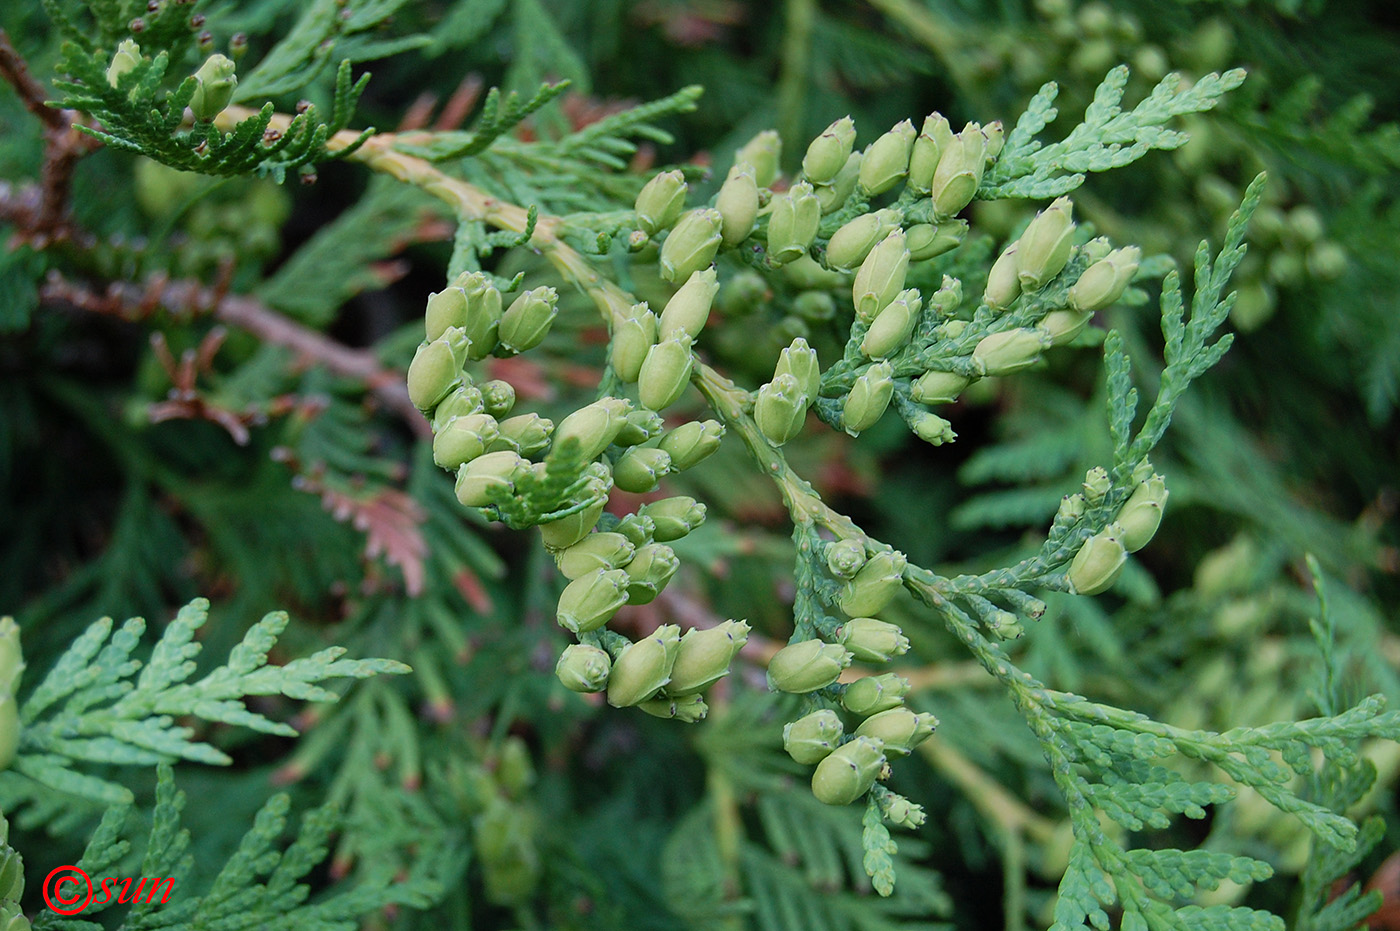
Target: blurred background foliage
{"x": 151, "y": 451}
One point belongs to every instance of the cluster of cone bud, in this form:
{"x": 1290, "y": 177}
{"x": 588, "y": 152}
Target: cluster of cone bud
{"x": 1100, "y": 559}
{"x": 847, "y": 765}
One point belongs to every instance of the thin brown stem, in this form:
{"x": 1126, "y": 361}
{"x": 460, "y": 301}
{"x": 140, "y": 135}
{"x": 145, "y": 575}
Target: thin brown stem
{"x": 188, "y": 297}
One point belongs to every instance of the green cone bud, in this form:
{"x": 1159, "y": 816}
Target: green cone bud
{"x": 673, "y": 517}
{"x": 497, "y": 397}
{"x": 1097, "y": 564}
{"x": 593, "y": 426}
{"x": 11, "y": 657}
{"x": 1009, "y": 351}
{"x": 995, "y": 135}
{"x": 780, "y": 409}
{"x": 904, "y": 813}
{"x": 811, "y": 738}
{"x": 1072, "y": 507}
{"x": 792, "y": 224}
{"x": 1105, "y": 281}
{"x": 872, "y": 640}
{"x": 650, "y": 569}
{"x": 462, "y": 401}
{"x": 1062, "y": 326}
{"x": 437, "y": 368}
{"x": 832, "y": 197}
{"x": 932, "y": 429}
{"x": 1142, "y": 513}
{"x": 848, "y": 772}
{"x": 566, "y": 531}
{"x": 807, "y": 666}
{"x": 595, "y": 551}
{"x": 892, "y": 326}
{"x": 590, "y": 601}
{"x": 845, "y": 557}
{"x": 692, "y": 245}
{"x": 480, "y": 479}
{"x": 665, "y": 372}
{"x": 691, "y": 443}
{"x": 1003, "y": 285}
{"x": 638, "y": 427}
{"x": 526, "y": 434}
{"x": 737, "y": 203}
{"x": 828, "y": 152}
{"x": 643, "y": 667}
{"x": 874, "y": 585}
{"x": 938, "y": 387}
{"x": 631, "y": 340}
{"x": 640, "y": 468}
{"x": 881, "y": 276}
{"x": 744, "y": 293}
{"x": 886, "y": 161}
{"x": 800, "y": 361}
{"x": 687, "y": 710}
{"x": 704, "y": 656}
{"x": 763, "y": 152}
{"x": 851, "y": 243}
{"x": 128, "y": 56}
{"x": 814, "y": 306}
{"x": 689, "y": 307}
{"x": 923, "y": 158}
{"x": 214, "y": 84}
{"x": 899, "y": 729}
{"x": 483, "y": 314}
{"x": 926, "y": 241}
{"x": 873, "y": 694}
{"x": 660, "y": 201}
{"x": 583, "y": 668}
{"x": 869, "y": 397}
{"x": 959, "y": 171}
{"x": 1045, "y": 246}
{"x": 463, "y": 440}
{"x": 527, "y": 320}
{"x": 446, "y": 308}
{"x": 1096, "y": 484}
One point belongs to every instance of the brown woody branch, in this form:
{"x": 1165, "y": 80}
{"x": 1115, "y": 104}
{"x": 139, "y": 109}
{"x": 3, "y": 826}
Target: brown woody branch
{"x": 132, "y": 301}
{"x": 46, "y": 220}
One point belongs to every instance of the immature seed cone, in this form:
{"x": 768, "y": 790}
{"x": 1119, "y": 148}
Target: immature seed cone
{"x": 687, "y": 710}
{"x": 593, "y": 426}
{"x": 566, "y": 531}
{"x": 704, "y": 656}
{"x": 848, "y": 772}
{"x": 811, "y": 738}
{"x": 642, "y": 668}
{"x": 869, "y": 398}
{"x": 1044, "y": 248}
{"x": 927, "y": 241}
{"x": 872, "y": 640}
{"x": 1097, "y": 564}
{"x": 1105, "y": 281}
{"x": 650, "y": 569}
{"x": 886, "y": 162}
{"x": 1003, "y": 285}
{"x": 763, "y": 152}
{"x": 807, "y": 666}
{"x": 792, "y": 223}
{"x": 1141, "y": 514}
{"x": 737, "y": 204}
{"x": 874, "y": 585}
{"x": 833, "y": 196}
{"x": 850, "y": 244}
{"x": 959, "y": 172}
{"x": 214, "y": 84}
{"x": 595, "y": 551}
{"x": 827, "y": 154}
{"x": 527, "y": 320}
{"x": 899, "y": 729}
{"x": 890, "y": 330}
{"x": 583, "y": 668}
{"x": 881, "y": 276}
{"x": 691, "y": 443}
{"x": 923, "y": 157}
{"x": 780, "y": 409}
{"x": 632, "y": 339}
{"x": 938, "y": 387}
{"x": 692, "y": 245}
{"x": 591, "y": 600}
{"x": 873, "y": 694}
{"x": 526, "y": 434}
{"x": 660, "y": 201}
{"x": 689, "y": 308}
{"x": 128, "y": 56}
{"x": 665, "y": 372}
{"x": 640, "y": 469}
{"x": 437, "y": 368}
{"x": 845, "y": 557}
{"x": 800, "y": 361}
{"x": 463, "y": 440}
{"x": 674, "y": 517}
{"x": 1009, "y": 351}
{"x": 478, "y": 480}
